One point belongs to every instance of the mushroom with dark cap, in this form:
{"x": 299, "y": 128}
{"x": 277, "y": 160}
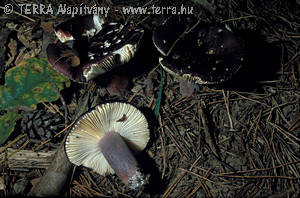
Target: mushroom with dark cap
{"x": 199, "y": 53}
{"x": 89, "y": 47}
{"x": 102, "y": 140}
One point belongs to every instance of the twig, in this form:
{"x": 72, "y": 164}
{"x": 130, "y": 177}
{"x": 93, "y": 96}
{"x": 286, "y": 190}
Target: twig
{"x": 208, "y": 136}
{"x": 257, "y": 169}
{"x": 17, "y": 13}
{"x": 15, "y": 151}
{"x": 261, "y": 177}
{"x": 294, "y": 58}
{"x": 12, "y": 142}
{"x": 227, "y": 108}
{"x": 173, "y": 185}
{"x": 194, "y": 190}
{"x": 286, "y": 134}
{"x": 239, "y": 18}
{"x": 204, "y": 178}
{"x": 163, "y": 147}
{"x": 251, "y": 99}
{"x": 186, "y": 31}
{"x": 295, "y": 125}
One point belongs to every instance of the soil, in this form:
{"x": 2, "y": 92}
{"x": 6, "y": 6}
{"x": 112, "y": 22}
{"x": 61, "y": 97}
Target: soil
{"x": 240, "y": 138}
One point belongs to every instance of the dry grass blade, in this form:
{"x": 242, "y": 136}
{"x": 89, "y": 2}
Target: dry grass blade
{"x": 83, "y": 188}
{"x": 204, "y": 178}
{"x": 20, "y": 14}
{"x": 295, "y": 125}
{"x": 261, "y": 177}
{"x": 173, "y": 185}
{"x": 14, "y": 152}
{"x": 208, "y": 137}
{"x": 12, "y": 142}
{"x": 288, "y": 135}
{"x": 162, "y": 147}
{"x": 227, "y": 108}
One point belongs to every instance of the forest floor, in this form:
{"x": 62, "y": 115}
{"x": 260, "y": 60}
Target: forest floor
{"x": 237, "y": 139}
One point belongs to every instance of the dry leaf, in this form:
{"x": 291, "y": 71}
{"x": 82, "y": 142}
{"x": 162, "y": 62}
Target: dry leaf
{"x": 24, "y": 40}
{"x": 25, "y": 35}
{"x": 12, "y": 45}
{"x": 24, "y": 55}
{"x": 20, "y": 56}
{"x": 11, "y": 26}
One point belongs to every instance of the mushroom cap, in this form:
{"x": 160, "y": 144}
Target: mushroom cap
{"x": 206, "y": 54}
{"x": 81, "y": 144}
{"x": 100, "y": 46}
{"x": 170, "y": 30}
{"x": 77, "y": 27}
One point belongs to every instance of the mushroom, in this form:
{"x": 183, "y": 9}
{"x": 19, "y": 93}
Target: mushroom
{"x": 166, "y": 34}
{"x": 199, "y": 53}
{"x": 102, "y": 139}
{"x": 88, "y": 47}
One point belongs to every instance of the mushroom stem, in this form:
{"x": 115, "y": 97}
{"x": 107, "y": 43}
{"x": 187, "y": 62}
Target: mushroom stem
{"x": 121, "y": 159}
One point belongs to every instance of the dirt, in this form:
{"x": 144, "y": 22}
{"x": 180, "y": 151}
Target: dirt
{"x": 237, "y": 139}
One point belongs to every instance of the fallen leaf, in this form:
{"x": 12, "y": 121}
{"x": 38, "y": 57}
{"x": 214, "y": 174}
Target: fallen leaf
{"x": 30, "y": 83}
{"x": 7, "y": 123}
{"x": 24, "y": 38}
{"x": 25, "y": 54}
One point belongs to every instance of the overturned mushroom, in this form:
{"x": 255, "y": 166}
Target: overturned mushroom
{"x": 89, "y": 47}
{"x": 199, "y": 53}
{"x": 101, "y": 139}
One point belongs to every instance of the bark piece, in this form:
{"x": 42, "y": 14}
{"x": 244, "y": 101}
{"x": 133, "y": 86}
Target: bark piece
{"x": 27, "y": 159}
